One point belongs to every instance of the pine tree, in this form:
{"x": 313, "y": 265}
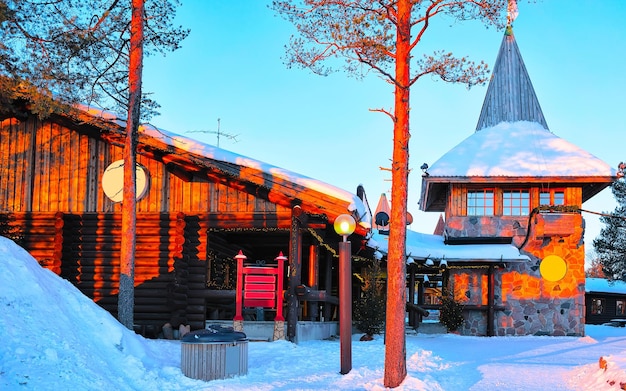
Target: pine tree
{"x": 369, "y": 309}
{"x": 595, "y": 269}
{"x": 382, "y": 36}
{"x": 78, "y": 51}
{"x": 610, "y": 246}
{"x": 451, "y": 313}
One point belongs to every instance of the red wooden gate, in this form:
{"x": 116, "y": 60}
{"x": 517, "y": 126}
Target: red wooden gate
{"x": 260, "y": 286}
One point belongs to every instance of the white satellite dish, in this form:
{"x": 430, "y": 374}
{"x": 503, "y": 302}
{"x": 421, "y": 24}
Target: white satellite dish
{"x": 113, "y": 181}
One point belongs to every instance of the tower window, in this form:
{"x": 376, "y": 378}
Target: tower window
{"x": 552, "y": 197}
{"x": 480, "y": 202}
{"x": 515, "y": 202}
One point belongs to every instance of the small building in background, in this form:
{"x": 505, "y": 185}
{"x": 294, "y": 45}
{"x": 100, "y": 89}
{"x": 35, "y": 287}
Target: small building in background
{"x": 605, "y": 301}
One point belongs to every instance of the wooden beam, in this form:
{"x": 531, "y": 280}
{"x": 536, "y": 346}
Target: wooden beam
{"x": 411, "y": 299}
{"x": 328, "y": 281}
{"x": 313, "y": 279}
{"x": 295, "y": 273}
{"x": 491, "y": 301}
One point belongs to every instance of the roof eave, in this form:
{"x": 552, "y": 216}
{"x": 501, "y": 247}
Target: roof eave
{"x": 434, "y": 187}
{"x": 279, "y": 191}
{"x": 608, "y": 179}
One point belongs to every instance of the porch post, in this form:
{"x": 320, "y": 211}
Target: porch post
{"x": 413, "y": 319}
{"x": 328, "y": 285}
{"x": 295, "y": 273}
{"x": 238, "y": 320}
{"x": 312, "y": 306}
{"x": 279, "y": 320}
{"x": 491, "y": 301}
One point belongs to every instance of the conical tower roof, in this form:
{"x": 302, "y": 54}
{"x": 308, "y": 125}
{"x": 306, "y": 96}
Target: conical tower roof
{"x": 510, "y": 96}
{"x": 441, "y": 225}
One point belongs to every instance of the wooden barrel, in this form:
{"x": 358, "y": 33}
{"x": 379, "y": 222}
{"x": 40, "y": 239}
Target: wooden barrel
{"x": 212, "y": 354}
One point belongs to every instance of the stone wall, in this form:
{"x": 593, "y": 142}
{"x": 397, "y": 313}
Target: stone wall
{"x": 533, "y": 305}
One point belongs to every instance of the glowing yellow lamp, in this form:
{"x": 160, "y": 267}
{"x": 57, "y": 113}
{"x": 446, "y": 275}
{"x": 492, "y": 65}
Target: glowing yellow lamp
{"x": 344, "y": 225}
{"x": 553, "y": 268}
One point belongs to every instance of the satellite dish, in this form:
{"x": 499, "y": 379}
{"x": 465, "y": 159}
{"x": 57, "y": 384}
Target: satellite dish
{"x": 113, "y": 181}
{"x": 382, "y": 219}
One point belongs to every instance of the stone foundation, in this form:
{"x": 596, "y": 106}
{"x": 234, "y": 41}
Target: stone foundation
{"x": 533, "y": 305}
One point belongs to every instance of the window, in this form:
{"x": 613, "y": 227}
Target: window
{"x": 552, "y": 197}
{"x": 620, "y": 308}
{"x": 597, "y": 306}
{"x": 480, "y": 202}
{"x": 515, "y": 202}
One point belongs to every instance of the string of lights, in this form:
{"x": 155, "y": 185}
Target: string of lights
{"x": 330, "y": 249}
{"x": 603, "y": 214}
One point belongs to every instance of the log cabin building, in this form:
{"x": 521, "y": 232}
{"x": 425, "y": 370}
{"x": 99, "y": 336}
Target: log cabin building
{"x": 199, "y": 205}
{"x": 514, "y": 182}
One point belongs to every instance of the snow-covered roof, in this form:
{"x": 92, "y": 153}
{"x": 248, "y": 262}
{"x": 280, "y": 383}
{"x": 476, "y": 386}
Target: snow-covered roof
{"x": 216, "y": 153}
{"x": 206, "y": 151}
{"x": 421, "y": 246}
{"x": 601, "y": 285}
{"x": 518, "y": 149}
{"x": 512, "y": 143}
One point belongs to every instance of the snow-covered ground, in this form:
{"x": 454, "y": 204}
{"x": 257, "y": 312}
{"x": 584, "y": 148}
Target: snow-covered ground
{"x": 54, "y": 338}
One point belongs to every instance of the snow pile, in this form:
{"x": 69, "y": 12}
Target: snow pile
{"x": 54, "y": 338}
{"x": 606, "y": 374}
{"x": 421, "y": 246}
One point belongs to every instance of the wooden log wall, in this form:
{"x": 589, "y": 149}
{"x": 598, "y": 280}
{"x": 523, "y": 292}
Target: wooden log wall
{"x": 50, "y": 184}
{"x": 48, "y": 167}
{"x": 41, "y": 235}
{"x": 16, "y": 153}
{"x": 193, "y": 269}
{"x": 170, "y": 263}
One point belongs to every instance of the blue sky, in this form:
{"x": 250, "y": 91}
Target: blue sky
{"x": 231, "y": 67}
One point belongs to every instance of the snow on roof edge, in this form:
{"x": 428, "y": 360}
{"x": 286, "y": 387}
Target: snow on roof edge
{"x": 216, "y": 153}
{"x": 421, "y": 246}
{"x": 601, "y": 285}
{"x": 518, "y": 149}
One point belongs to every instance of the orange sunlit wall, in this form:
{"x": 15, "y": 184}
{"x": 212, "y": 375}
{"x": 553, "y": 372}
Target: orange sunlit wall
{"x": 473, "y": 289}
{"x": 523, "y": 286}
{"x": 536, "y": 304}
{"x": 529, "y": 299}
{"x": 470, "y": 288}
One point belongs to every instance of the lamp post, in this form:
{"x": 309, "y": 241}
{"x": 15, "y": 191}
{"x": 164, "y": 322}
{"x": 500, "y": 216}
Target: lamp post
{"x": 344, "y": 226}
{"x": 238, "y": 320}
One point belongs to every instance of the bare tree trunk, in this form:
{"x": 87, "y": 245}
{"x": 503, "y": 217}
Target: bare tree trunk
{"x": 395, "y": 340}
{"x": 126, "y": 297}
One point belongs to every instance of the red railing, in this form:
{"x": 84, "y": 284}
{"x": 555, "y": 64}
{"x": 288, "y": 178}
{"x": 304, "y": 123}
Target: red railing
{"x": 259, "y": 286}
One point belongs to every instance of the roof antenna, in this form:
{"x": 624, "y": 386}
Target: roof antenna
{"x": 218, "y": 133}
